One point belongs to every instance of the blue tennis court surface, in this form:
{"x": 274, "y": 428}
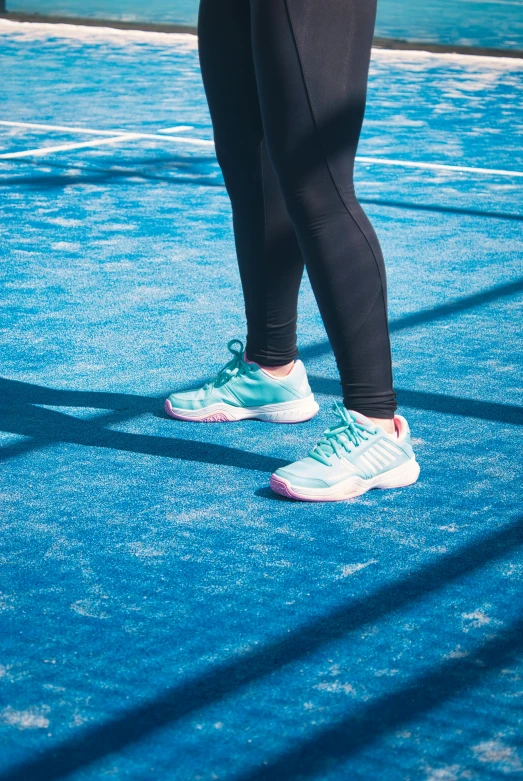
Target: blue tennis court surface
{"x": 165, "y": 616}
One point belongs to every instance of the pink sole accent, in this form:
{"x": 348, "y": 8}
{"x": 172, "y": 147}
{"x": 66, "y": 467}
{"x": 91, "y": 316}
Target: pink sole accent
{"x": 279, "y": 416}
{"x": 280, "y": 487}
{"x": 407, "y": 475}
{"x": 218, "y": 417}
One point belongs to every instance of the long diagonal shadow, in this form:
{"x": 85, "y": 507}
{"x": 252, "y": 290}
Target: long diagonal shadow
{"x": 49, "y": 182}
{"x": 95, "y": 173}
{"x": 436, "y": 402}
{"x": 392, "y": 711}
{"x": 435, "y": 313}
{"x": 228, "y": 677}
{"x": 432, "y": 207}
{"x": 131, "y": 171}
{"x": 48, "y": 426}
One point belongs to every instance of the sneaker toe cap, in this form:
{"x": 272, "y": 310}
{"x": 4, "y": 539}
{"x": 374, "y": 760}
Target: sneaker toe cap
{"x": 299, "y": 474}
{"x": 189, "y": 400}
{"x": 181, "y": 401}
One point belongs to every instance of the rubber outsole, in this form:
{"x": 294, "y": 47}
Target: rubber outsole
{"x": 287, "y": 412}
{"x": 403, "y": 475}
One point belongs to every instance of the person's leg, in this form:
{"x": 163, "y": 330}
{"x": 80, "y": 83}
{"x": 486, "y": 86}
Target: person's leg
{"x": 269, "y": 257}
{"x": 264, "y": 382}
{"x": 311, "y": 61}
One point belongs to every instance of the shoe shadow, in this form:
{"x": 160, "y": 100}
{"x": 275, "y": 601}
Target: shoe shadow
{"x": 268, "y": 493}
{"x": 21, "y": 413}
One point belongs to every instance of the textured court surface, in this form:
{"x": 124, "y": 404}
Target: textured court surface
{"x": 164, "y": 615}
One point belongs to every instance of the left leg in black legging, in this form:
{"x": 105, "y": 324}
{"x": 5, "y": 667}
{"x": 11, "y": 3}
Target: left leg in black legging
{"x": 311, "y": 60}
{"x": 269, "y": 257}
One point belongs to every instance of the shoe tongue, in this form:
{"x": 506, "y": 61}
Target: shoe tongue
{"x": 359, "y": 418}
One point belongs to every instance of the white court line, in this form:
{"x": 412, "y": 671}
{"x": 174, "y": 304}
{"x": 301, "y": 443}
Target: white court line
{"x": 176, "y": 129}
{"x": 61, "y": 128}
{"x": 42, "y": 151}
{"x": 47, "y": 150}
{"x": 163, "y": 135}
{"x": 89, "y": 131}
{"x": 153, "y": 136}
{"x": 438, "y": 166}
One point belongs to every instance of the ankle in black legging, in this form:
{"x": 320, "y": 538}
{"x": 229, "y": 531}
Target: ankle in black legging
{"x": 286, "y": 85}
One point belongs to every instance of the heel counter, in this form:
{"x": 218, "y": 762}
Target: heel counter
{"x": 402, "y": 429}
{"x": 300, "y": 379}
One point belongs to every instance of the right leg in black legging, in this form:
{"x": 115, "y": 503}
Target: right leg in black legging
{"x": 269, "y": 257}
{"x": 311, "y": 61}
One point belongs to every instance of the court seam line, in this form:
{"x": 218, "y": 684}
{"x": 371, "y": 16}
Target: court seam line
{"x": 112, "y": 139}
{"x": 89, "y": 131}
{"x": 438, "y": 166}
{"x": 42, "y": 151}
{"x": 46, "y": 150}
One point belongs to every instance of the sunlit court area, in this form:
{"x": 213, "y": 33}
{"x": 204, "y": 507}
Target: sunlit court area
{"x": 165, "y": 613}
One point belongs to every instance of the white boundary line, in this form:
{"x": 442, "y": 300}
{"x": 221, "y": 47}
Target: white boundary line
{"x": 89, "y": 131}
{"x": 47, "y": 150}
{"x": 438, "y": 166}
{"x": 163, "y": 135}
{"x": 117, "y": 136}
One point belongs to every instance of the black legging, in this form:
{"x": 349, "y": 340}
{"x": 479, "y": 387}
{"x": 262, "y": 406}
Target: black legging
{"x": 286, "y": 83}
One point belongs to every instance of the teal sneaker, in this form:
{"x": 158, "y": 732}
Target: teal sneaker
{"x": 244, "y": 390}
{"x": 353, "y": 457}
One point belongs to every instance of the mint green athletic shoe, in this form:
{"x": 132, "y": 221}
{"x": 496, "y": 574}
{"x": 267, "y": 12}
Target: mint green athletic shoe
{"x": 353, "y": 457}
{"x": 244, "y": 390}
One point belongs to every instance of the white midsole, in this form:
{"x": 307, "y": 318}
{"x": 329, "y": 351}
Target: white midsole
{"x": 402, "y": 475}
{"x": 283, "y": 412}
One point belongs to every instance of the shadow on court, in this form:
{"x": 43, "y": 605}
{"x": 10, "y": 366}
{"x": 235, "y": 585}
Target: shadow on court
{"x": 435, "y": 402}
{"x": 439, "y": 312}
{"x": 128, "y": 171}
{"x": 23, "y": 412}
{"x": 19, "y": 415}
{"x": 336, "y": 742}
{"x": 392, "y": 711}
{"x": 46, "y": 426}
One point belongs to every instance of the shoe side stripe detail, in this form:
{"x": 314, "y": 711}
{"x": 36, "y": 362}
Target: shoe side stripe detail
{"x": 368, "y": 464}
{"x": 378, "y": 455}
{"x": 386, "y": 453}
{"x": 390, "y": 446}
{"x": 371, "y": 454}
{"x": 373, "y": 460}
{"x": 387, "y": 457}
{"x": 379, "y": 447}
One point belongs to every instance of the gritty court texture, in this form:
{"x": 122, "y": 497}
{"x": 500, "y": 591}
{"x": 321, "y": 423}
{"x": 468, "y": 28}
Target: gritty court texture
{"x": 164, "y": 615}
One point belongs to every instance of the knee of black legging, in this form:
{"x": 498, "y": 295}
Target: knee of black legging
{"x": 315, "y": 200}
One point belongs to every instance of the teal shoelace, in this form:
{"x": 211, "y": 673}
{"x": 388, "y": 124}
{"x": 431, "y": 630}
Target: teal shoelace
{"x": 234, "y": 368}
{"x": 344, "y": 437}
